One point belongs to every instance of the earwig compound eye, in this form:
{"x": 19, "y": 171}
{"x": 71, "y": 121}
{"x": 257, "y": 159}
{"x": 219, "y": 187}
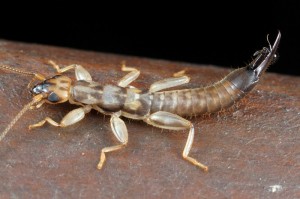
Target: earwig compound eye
{"x": 53, "y": 97}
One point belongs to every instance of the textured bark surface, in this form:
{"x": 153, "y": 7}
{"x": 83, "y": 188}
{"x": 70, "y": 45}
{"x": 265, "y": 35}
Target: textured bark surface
{"x": 252, "y": 150}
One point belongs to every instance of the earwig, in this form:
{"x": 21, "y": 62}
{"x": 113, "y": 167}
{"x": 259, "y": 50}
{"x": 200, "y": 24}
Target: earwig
{"x": 162, "y": 109}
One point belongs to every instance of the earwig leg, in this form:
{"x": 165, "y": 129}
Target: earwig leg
{"x": 72, "y": 117}
{"x": 80, "y": 72}
{"x": 120, "y": 131}
{"x": 126, "y": 68}
{"x": 58, "y": 69}
{"x": 36, "y": 76}
{"x": 100, "y": 110}
{"x": 168, "y": 83}
{"x": 166, "y": 120}
{"x": 179, "y": 73}
{"x": 37, "y": 105}
{"x": 130, "y": 77}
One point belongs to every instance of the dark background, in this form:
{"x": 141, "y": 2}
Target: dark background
{"x": 223, "y": 34}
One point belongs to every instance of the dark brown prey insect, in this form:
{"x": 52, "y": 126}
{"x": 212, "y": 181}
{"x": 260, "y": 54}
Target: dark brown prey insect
{"x": 162, "y": 109}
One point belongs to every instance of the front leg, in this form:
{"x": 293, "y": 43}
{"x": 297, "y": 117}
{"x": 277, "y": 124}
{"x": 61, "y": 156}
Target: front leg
{"x": 72, "y": 117}
{"x": 166, "y": 120}
{"x": 80, "y": 72}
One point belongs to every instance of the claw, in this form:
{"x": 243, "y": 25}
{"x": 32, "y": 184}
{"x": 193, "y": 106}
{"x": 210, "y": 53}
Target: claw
{"x": 265, "y": 57}
{"x": 247, "y": 77}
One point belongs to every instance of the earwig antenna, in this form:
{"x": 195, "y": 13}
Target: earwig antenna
{"x": 5, "y": 67}
{"x": 36, "y": 75}
{"x": 14, "y": 70}
{"x": 36, "y": 99}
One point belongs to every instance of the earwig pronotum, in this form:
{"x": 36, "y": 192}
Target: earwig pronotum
{"x": 162, "y": 109}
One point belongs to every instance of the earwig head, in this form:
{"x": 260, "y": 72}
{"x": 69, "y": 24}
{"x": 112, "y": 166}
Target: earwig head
{"x": 264, "y": 58}
{"x": 54, "y": 90}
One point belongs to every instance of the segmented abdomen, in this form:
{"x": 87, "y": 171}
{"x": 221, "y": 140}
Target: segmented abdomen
{"x": 189, "y": 102}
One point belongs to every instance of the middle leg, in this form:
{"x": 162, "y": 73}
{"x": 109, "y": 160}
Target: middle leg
{"x": 120, "y": 131}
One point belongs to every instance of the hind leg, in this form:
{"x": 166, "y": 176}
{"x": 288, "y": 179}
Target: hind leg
{"x": 166, "y": 120}
{"x": 168, "y": 83}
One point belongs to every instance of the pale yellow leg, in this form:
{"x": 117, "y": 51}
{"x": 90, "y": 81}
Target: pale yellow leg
{"x": 106, "y": 150}
{"x": 41, "y": 123}
{"x": 126, "y": 68}
{"x": 37, "y": 105}
{"x": 187, "y": 148}
{"x": 72, "y": 117}
{"x": 80, "y": 72}
{"x": 168, "y": 83}
{"x": 179, "y": 73}
{"x": 166, "y": 120}
{"x": 37, "y": 76}
{"x": 61, "y": 70}
{"x": 120, "y": 131}
{"x": 130, "y": 77}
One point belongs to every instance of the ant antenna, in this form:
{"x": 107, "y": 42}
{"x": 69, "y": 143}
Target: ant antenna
{"x": 36, "y": 99}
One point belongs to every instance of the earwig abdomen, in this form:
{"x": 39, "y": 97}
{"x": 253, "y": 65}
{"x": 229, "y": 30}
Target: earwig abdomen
{"x": 210, "y": 99}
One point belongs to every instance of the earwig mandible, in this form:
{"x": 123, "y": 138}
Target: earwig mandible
{"x": 162, "y": 109}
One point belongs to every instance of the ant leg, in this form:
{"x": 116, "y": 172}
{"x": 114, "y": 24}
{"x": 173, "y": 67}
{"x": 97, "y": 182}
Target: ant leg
{"x": 80, "y": 72}
{"x": 120, "y": 131}
{"x": 166, "y": 120}
{"x": 72, "y": 117}
{"x": 168, "y": 83}
{"x": 130, "y": 77}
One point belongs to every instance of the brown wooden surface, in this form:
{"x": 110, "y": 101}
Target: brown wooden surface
{"x": 252, "y": 150}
